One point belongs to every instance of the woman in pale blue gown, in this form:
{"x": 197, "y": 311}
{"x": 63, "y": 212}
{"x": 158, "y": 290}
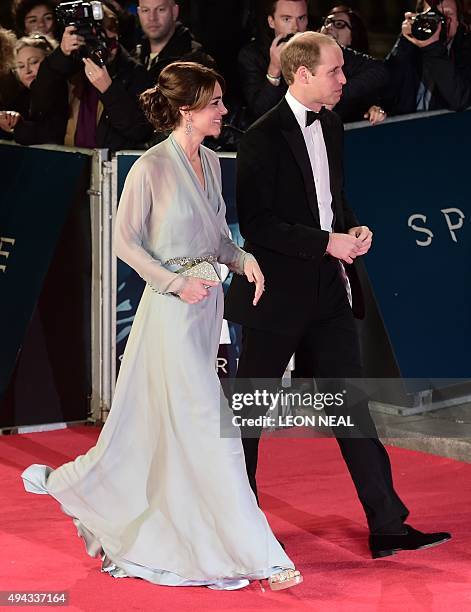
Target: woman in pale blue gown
{"x": 163, "y": 496}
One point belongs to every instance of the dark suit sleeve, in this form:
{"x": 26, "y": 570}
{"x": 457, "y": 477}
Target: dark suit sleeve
{"x": 47, "y": 131}
{"x": 403, "y": 50}
{"x": 367, "y": 79}
{"x": 258, "y": 167}
{"x": 46, "y": 120}
{"x": 51, "y": 81}
{"x": 259, "y": 93}
{"x": 349, "y": 217}
{"x": 451, "y": 76}
{"x": 403, "y": 65}
{"x": 122, "y": 107}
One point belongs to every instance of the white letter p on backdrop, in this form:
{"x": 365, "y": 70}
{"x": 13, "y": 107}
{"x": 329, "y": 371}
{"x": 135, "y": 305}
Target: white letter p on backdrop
{"x": 459, "y": 222}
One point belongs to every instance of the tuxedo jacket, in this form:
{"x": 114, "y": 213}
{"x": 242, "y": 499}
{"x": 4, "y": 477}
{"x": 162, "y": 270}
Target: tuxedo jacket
{"x": 279, "y": 220}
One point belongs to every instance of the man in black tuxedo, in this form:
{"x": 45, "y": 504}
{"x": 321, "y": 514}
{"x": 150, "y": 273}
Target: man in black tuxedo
{"x": 296, "y": 222}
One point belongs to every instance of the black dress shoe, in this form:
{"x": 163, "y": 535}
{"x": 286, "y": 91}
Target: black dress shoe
{"x": 383, "y": 545}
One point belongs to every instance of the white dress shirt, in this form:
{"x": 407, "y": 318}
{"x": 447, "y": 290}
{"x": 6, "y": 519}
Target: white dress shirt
{"x": 315, "y": 144}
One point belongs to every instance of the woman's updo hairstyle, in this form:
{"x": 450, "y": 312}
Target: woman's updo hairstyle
{"x": 180, "y": 84}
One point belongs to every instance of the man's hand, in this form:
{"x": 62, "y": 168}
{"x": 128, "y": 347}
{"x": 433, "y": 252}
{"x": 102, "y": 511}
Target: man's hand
{"x": 344, "y": 246}
{"x": 98, "y": 77}
{"x": 407, "y": 32}
{"x": 363, "y": 233}
{"x": 70, "y": 41}
{"x": 375, "y": 114}
{"x": 255, "y": 275}
{"x": 195, "y": 289}
{"x": 274, "y": 68}
{"x": 8, "y": 120}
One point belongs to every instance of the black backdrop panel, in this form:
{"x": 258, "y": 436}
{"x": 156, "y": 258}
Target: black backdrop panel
{"x": 45, "y": 286}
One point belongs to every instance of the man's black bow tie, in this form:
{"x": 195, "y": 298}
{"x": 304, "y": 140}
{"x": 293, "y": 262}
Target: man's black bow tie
{"x": 312, "y": 116}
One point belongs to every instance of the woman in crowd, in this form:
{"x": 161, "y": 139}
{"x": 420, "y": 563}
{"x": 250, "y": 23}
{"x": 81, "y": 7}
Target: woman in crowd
{"x": 22, "y": 120}
{"x": 347, "y": 27}
{"x": 34, "y": 17}
{"x": 349, "y": 30}
{"x": 164, "y": 494}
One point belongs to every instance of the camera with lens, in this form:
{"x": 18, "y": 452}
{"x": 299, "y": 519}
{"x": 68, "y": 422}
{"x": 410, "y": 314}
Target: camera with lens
{"x": 87, "y": 18}
{"x": 426, "y": 24}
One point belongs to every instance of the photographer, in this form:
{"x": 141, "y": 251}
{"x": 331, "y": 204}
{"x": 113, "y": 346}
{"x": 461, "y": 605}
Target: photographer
{"x": 104, "y": 111}
{"x": 434, "y": 73}
{"x": 260, "y": 69}
{"x": 259, "y": 61}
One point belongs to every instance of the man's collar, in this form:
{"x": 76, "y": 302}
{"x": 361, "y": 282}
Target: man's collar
{"x": 299, "y": 110}
{"x": 312, "y": 116}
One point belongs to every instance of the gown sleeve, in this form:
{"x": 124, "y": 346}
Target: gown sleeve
{"x": 228, "y": 253}
{"x": 134, "y": 210}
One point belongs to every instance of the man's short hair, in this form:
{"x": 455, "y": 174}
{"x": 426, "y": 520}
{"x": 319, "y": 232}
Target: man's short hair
{"x": 171, "y": 2}
{"x": 271, "y": 6}
{"x": 304, "y": 49}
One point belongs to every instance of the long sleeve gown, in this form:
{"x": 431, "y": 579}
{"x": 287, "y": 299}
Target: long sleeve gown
{"x": 163, "y": 496}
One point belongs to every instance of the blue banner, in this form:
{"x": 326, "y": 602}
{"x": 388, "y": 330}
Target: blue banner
{"x": 408, "y": 181}
{"x": 45, "y": 284}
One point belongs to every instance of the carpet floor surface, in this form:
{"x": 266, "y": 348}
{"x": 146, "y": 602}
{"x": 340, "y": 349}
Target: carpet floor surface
{"x": 312, "y": 507}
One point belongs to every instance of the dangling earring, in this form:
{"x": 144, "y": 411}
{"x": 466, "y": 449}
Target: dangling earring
{"x": 188, "y": 126}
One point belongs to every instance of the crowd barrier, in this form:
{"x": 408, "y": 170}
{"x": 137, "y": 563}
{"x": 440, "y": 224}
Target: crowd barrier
{"x": 53, "y": 208}
{"x": 407, "y": 179}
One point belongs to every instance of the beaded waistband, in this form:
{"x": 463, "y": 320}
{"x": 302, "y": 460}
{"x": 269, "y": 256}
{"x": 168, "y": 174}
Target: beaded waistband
{"x": 185, "y": 261}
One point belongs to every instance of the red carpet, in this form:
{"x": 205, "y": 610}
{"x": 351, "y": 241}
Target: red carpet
{"x": 312, "y": 507}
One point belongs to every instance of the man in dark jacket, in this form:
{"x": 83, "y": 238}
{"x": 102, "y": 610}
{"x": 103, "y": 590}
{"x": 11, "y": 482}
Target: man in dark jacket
{"x": 104, "y": 110}
{"x": 263, "y": 83}
{"x": 435, "y": 73}
{"x": 296, "y": 222}
{"x": 166, "y": 40}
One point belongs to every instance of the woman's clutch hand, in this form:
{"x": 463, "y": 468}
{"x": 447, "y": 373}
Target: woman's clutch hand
{"x": 254, "y": 275}
{"x": 195, "y": 289}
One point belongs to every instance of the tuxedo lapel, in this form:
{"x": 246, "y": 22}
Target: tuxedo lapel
{"x": 332, "y": 156}
{"x": 293, "y": 135}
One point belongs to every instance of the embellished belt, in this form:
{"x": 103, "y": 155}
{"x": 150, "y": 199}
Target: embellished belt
{"x": 199, "y": 267}
{"x": 190, "y": 261}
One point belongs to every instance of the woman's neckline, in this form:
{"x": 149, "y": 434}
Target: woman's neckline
{"x": 198, "y": 151}
{"x": 205, "y": 186}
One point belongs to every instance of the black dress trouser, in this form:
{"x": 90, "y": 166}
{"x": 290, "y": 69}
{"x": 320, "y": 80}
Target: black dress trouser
{"x": 330, "y": 339}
